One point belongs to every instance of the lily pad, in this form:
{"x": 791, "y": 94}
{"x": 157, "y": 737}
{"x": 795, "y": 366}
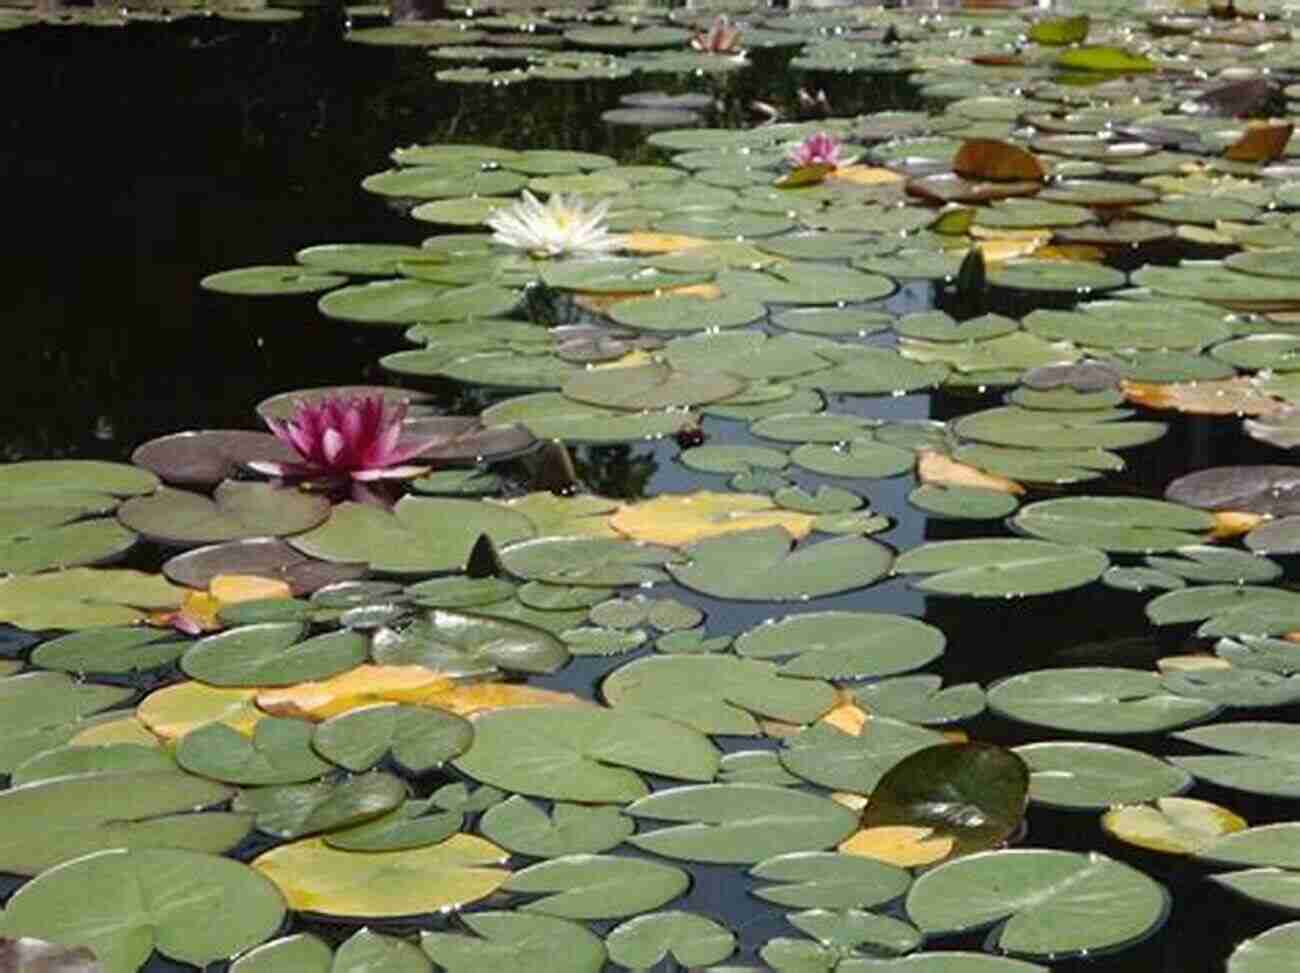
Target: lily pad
{"x": 1269, "y": 952}
{"x": 583, "y": 754}
{"x": 278, "y": 753}
{"x": 301, "y": 809}
{"x": 692, "y": 940}
{"x": 1001, "y": 567}
{"x": 459, "y": 644}
{"x": 739, "y": 823}
{"x": 271, "y": 280}
{"x": 758, "y": 565}
{"x": 590, "y": 562}
{"x": 598, "y": 886}
{"x": 827, "y": 880}
{"x": 236, "y": 511}
{"x": 919, "y": 699}
{"x": 844, "y": 645}
{"x": 418, "y": 738}
{"x": 1097, "y": 700}
{"x": 841, "y": 761}
{"x": 715, "y": 694}
{"x": 570, "y": 829}
{"x": 271, "y": 655}
{"x": 1093, "y": 776}
{"x": 1260, "y": 757}
{"x": 515, "y": 940}
{"x": 1055, "y": 903}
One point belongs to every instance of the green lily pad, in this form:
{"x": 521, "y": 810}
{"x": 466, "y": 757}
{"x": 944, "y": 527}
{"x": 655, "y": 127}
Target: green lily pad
{"x": 827, "y": 880}
{"x": 365, "y": 259}
{"x": 1001, "y": 567}
{"x": 963, "y": 503}
{"x": 549, "y": 415}
{"x": 460, "y": 645}
{"x": 296, "y": 810}
{"x": 591, "y": 562}
{"x": 754, "y": 767}
{"x": 279, "y": 752}
{"x": 656, "y": 386}
{"x": 739, "y": 823}
{"x": 715, "y": 694}
{"x": 1096, "y": 700}
{"x": 264, "y": 281}
{"x": 583, "y": 754}
{"x": 1235, "y": 687}
{"x": 682, "y": 312}
{"x": 873, "y": 371}
{"x": 692, "y": 940}
{"x": 1014, "y": 426}
{"x": 422, "y": 535}
{"x": 1218, "y": 565}
{"x": 570, "y": 829}
{"x": 1125, "y": 324}
{"x": 419, "y": 738}
{"x": 301, "y": 952}
{"x": 733, "y": 459}
{"x": 459, "y": 591}
{"x": 1259, "y": 652}
{"x": 515, "y": 940}
{"x": 813, "y": 427}
{"x": 1269, "y": 952}
{"x": 40, "y": 710}
{"x": 826, "y": 756}
{"x": 236, "y": 511}
{"x": 34, "y": 542}
{"x": 54, "y": 820}
{"x": 1093, "y": 776}
{"x": 71, "y": 759}
{"x": 1056, "y": 903}
{"x": 858, "y": 458}
{"x": 271, "y": 655}
{"x": 1130, "y": 524}
{"x": 413, "y": 824}
{"x": 758, "y": 565}
{"x": 841, "y": 932}
{"x": 844, "y": 645}
{"x": 116, "y": 649}
{"x": 1259, "y": 759}
{"x": 919, "y": 699}
{"x": 598, "y": 886}
{"x": 831, "y": 322}
{"x": 147, "y": 899}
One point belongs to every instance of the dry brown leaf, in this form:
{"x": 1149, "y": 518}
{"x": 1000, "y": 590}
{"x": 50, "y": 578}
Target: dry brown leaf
{"x": 1261, "y": 142}
{"x": 996, "y": 160}
{"x": 846, "y": 715}
{"x": 934, "y": 467}
{"x": 1224, "y": 397}
{"x": 900, "y": 845}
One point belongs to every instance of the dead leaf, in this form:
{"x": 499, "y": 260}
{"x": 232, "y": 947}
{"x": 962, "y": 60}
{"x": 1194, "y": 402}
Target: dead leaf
{"x": 900, "y": 845}
{"x": 1193, "y": 662}
{"x": 1224, "y": 397}
{"x": 934, "y": 467}
{"x": 846, "y": 715}
{"x": 680, "y": 519}
{"x": 865, "y": 175}
{"x": 998, "y": 161}
{"x": 1262, "y": 142}
{"x": 231, "y": 589}
{"x": 646, "y": 241}
{"x": 363, "y": 686}
{"x": 1234, "y": 523}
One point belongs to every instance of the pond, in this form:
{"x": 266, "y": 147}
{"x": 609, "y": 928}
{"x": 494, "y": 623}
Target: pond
{"x": 938, "y": 531}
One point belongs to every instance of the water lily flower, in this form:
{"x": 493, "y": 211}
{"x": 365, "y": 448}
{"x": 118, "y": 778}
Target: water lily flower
{"x": 353, "y": 438}
{"x": 818, "y": 149}
{"x": 720, "y": 38}
{"x": 561, "y": 226}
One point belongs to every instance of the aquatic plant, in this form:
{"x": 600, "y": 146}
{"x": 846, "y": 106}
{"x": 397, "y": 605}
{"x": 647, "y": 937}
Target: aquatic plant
{"x": 818, "y": 149}
{"x": 722, "y": 37}
{"x": 340, "y": 437}
{"x": 558, "y": 228}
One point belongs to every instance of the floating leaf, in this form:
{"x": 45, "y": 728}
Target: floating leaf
{"x": 1093, "y": 776}
{"x": 996, "y": 160}
{"x": 419, "y": 739}
{"x": 904, "y": 846}
{"x": 1095, "y": 700}
{"x": 844, "y": 645}
{"x": 319, "y": 879}
{"x": 715, "y": 694}
{"x": 737, "y": 823}
{"x": 1001, "y": 567}
{"x": 677, "y": 520}
{"x": 1056, "y": 903}
{"x": 919, "y": 699}
{"x": 278, "y": 753}
{"x": 598, "y": 886}
{"x": 1269, "y": 952}
{"x": 516, "y": 940}
{"x": 692, "y": 940}
{"x": 854, "y": 763}
{"x": 1260, "y": 757}
{"x": 522, "y": 827}
{"x": 458, "y": 644}
{"x": 1175, "y": 825}
{"x": 81, "y": 598}
{"x": 302, "y": 809}
{"x": 142, "y": 899}
{"x": 758, "y": 565}
{"x": 826, "y": 880}
{"x": 581, "y": 754}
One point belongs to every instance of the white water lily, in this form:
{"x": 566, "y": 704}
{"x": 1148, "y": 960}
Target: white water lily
{"x": 559, "y": 227}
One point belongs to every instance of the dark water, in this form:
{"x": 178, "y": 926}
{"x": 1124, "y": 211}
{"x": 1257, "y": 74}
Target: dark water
{"x": 137, "y": 161}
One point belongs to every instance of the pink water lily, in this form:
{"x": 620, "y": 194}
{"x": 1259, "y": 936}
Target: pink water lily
{"x": 720, "y": 38}
{"x": 338, "y": 437}
{"x": 818, "y": 149}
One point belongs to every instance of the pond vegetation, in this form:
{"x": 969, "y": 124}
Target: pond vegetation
{"x": 829, "y": 513}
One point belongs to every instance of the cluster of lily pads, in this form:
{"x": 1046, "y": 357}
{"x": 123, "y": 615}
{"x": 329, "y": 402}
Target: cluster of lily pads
{"x": 15, "y": 14}
{"x": 343, "y": 705}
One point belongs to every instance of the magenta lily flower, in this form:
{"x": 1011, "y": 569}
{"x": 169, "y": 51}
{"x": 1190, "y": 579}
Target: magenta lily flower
{"x": 720, "y": 38}
{"x": 337, "y": 438}
{"x": 819, "y": 149}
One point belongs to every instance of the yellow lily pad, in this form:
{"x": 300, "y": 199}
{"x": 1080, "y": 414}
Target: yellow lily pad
{"x": 231, "y": 589}
{"x": 174, "y": 711}
{"x": 1176, "y": 825}
{"x": 680, "y": 519}
{"x": 437, "y": 878}
{"x": 1223, "y": 397}
{"x": 646, "y": 241}
{"x": 363, "y": 686}
{"x": 901, "y": 845}
{"x": 934, "y": 467}
{"x": 865, "y": 175}
{"x": 129, "y": 729}
{"x": 601, "y": 303}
